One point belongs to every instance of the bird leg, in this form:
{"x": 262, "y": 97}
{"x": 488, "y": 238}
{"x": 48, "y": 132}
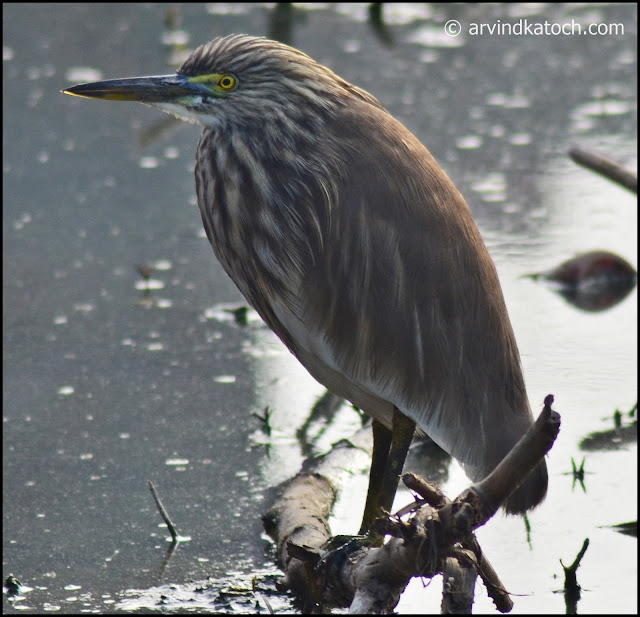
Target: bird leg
{"x": 379, "y": 457}
{"x": 390, "y": 449}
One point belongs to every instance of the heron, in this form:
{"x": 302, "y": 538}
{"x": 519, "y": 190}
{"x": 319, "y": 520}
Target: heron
{"x": 343, "y": 232}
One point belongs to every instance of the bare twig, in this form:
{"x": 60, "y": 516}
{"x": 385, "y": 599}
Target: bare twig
{"x": 571, "y": 587}
{"x": 522, "y": 458}
{"x": 163, "y": 513}
{"x": 489, "y": 576}
{"x": 605, "y": 167}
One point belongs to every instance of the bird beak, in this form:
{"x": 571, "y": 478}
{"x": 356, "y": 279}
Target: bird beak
{"x": 150, "y": 90}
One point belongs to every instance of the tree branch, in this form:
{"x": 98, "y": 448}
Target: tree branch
{"x": 438, "y": 532}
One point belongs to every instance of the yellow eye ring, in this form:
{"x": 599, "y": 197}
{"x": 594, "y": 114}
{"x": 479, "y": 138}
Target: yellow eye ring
{"x": 228, "y": 82}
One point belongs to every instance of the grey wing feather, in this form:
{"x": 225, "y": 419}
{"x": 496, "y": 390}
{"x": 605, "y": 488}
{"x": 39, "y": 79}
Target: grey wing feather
{"x": 404, "y": 306}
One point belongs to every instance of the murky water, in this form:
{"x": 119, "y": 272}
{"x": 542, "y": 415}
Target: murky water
{"x": 111, "y": 379}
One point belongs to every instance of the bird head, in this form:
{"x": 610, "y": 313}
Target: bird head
{"x": 237, "y": 78}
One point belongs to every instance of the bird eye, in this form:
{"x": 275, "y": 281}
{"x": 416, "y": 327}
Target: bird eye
{"x": 227, "y": 82}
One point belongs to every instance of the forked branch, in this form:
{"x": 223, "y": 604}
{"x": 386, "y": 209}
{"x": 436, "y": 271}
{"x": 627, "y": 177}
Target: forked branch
{"x": 437, "y": 534}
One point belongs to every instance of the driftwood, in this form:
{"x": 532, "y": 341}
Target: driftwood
{"x": 572, "y": 590}
{"x": 436, "y": 536}
{"x": 606, "y": 167}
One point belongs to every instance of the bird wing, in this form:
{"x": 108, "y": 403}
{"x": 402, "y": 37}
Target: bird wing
{"x": 401, "y": 304}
